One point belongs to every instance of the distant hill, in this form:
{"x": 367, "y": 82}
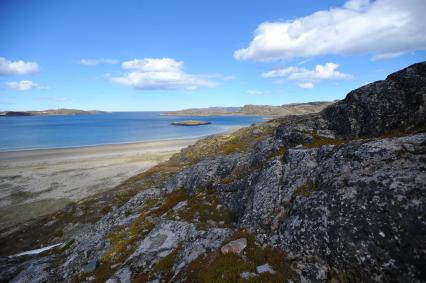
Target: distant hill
{"x": 51, "y": 112}
{"x": 267, "y": 110}
{"x": 210, "y": 111}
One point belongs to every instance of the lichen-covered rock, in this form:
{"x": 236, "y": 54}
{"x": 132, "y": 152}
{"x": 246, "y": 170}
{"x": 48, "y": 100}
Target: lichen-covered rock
{"x": 180, "y": 240}
{"x": 367, "y": 212}
{"x": 357, "y": 205}
{"x": 399, "y": 102}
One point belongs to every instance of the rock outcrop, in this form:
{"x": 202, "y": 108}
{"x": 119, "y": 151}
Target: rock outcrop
{"x": 338, "y": 195}
{"x": 191, "y": 123}
{"x": 397, "y": 103}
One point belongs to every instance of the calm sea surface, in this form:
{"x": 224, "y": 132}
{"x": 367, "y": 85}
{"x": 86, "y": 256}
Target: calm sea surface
{"x": 33, "y": 132}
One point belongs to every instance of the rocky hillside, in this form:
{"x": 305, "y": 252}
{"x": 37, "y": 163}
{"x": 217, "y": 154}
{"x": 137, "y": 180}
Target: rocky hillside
{"x": 264, "y": 110}
{"x": 337, "y": 196}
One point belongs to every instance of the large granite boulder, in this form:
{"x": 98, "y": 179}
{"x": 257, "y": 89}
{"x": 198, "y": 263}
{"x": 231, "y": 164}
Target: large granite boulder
{"x": 397, "y": 103}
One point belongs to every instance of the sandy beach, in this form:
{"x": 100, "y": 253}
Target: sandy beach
{"x": 38, "y": 182}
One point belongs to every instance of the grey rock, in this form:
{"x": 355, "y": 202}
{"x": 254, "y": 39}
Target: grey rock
{"x": 33, "y": 271}
{"x": 165, "y": 237}
{"x": 123, "y": 275}
{"x": 247, "y": 275}
{"x": 90, "y": 266}
{"x": 265, "y": 268}
{"x": 234, "y": 247}
{"x": 399, "y": 102}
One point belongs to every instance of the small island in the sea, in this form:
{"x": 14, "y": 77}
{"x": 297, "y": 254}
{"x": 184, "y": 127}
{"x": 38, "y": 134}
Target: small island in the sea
{"x": 191, "y": 123}
{"x": 51, "y": 112}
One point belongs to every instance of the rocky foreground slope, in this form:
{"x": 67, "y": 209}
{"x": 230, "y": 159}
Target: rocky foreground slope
{"x": 337, "y": 196}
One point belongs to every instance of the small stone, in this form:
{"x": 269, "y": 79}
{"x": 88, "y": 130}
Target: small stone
{"x": 382, "y": 234}
{"x": 265, "y": 268}
{"x": 274, "y": 239}
{"x": 247, "y": 275}
{"x": 180, "y": 205}
{"x": 116, "y": 265}
{"x": 235, "y": 247}
{"x": 90, "y": 266}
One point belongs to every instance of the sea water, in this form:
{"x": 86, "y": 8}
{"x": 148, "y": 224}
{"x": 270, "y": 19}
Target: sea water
{"x": 36, "y": 132}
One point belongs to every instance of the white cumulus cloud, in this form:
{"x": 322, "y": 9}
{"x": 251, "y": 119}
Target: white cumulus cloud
{"x": 321, "y": 72}
{"x": 24, "y": 85}
{"x": 159, "y": 74}
{"x": 306, "y": 76}
{"x": 11, "y": 68}
{"x": 99, "y": 61}
{"x": 153, "y": 65}
{"x": 384, "y": 28}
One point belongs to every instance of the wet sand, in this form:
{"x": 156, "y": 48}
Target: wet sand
{"x": 38, "y": 182}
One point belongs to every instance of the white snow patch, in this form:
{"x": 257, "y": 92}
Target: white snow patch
{"x": 36, "y": 251}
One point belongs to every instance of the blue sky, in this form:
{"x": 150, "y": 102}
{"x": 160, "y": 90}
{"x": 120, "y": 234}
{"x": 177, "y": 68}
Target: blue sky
{"x": 166, "y": 55}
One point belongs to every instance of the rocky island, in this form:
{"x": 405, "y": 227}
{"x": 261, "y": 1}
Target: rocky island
{"x": 191, "y": 123}
{"x": 334, "y": 196}
{"x": 52, "y": 112}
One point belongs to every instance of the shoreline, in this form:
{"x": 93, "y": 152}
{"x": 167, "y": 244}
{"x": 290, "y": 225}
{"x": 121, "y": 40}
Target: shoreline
{"x": 106, "y": 149}
{"x": 34, "y": 183}
{"x": 99, "y": 145}
{"x": 230, "y": 130}
{"x": 37, "y": 182}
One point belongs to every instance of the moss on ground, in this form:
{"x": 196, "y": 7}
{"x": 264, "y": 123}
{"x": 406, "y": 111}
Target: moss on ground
{"x": 242, "y": 140}
{"x": 306, "y": 189}
{"x": 122, "y": 246}
{"x": 164, "y": 266}
{"x": 204, "y": 209}
{"x": 170, "y": 201}
{"x": 279, "y": 152}
{"x": 321, "y": 140}
{"x": 219, "y": 268}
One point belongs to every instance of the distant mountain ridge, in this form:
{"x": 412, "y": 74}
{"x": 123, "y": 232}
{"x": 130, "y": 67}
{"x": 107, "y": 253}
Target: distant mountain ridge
{"x": 250, "y": 109}
{"x": 51, "y": 112}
